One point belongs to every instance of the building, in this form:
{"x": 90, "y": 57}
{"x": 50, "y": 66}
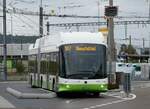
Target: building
{"x": 141, "y": 56}
{"x": 17, "y": 46}
{"x": 17, "y": 50}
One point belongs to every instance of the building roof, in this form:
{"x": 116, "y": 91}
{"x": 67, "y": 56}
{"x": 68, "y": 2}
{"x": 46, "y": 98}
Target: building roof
{"x": 18, "y": 39}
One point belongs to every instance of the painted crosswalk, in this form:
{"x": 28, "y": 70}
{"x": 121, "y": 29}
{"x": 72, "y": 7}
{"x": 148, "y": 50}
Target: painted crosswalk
{"x": 5, "y": 104}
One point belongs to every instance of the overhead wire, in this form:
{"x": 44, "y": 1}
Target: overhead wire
{"x": 26, "y": 23}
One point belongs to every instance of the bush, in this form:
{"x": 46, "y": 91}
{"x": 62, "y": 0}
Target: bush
{"x": 20, "y": 68}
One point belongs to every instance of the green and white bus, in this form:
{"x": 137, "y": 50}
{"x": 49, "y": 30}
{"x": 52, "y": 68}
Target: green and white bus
{"x": 69, "y": 62}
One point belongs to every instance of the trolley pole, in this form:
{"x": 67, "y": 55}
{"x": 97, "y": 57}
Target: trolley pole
{"x": 4, "y": 40}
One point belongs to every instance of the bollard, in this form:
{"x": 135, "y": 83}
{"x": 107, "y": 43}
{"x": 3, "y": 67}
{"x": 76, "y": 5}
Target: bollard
{"x": 127, "y": 79}
{"x": 127, "y": 84}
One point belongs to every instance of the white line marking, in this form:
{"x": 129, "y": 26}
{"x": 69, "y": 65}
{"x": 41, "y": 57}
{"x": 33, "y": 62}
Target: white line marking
{"x": 5, "y": 104}
{"x": 113, "y": 102}
{"x": 14, "y": 82}
{"x": 68, "y": 101}
{"x": 121, "y": 95}
{"x": 109, "y": 103}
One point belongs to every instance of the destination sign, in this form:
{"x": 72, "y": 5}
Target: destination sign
{"x": 85, "y": 48}
{"x": 67, "y": 48}
{"x": 79, "y": 48}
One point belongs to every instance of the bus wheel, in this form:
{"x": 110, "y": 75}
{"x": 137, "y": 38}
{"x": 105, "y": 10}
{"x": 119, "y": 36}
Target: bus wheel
{"x": 41, "y": 82}
{"x": 31, "y": 81}
{"x": 96, "y": 94}
{"x": 59, "y": 94}
{"x": 53, "y": 85}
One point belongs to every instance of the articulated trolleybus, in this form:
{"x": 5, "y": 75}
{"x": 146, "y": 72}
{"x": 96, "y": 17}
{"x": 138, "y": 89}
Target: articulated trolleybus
{"x": 69, "y": 62}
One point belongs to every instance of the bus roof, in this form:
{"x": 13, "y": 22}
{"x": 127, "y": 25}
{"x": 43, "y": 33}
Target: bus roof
{"x": 52, "y": 42}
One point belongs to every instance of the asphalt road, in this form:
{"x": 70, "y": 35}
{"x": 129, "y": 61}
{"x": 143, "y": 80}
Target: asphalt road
{"x": 142, "y": 100}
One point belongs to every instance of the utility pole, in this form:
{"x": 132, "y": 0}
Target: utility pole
{"x": 143, "y": 43}
{"x": 149, "y": 50}
{"x": 12, "y": 34}
{"x": 47, "y": 28}
{"x": 149, "y": 9}
{"x": 126, "y": 30}
{"x": 111, "y": 44}
{"x": 41, "y": 20}
{"x": 130, "y": 43}
{"x": 4, "y": 40}
{"x": 98, "y": 10}
{"x": 39, "y": 49}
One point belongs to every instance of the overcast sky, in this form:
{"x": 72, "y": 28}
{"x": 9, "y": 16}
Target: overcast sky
{"x": 28, "y": 25}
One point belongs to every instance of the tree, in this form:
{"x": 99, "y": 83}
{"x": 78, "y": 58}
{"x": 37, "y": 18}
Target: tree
{"x": 20, "y": 68}
{"x": 131, "y": 50}
{"x": 124, "y": 49}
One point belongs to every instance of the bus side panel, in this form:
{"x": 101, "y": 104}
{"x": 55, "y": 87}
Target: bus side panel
{"x": 52, "y": 82}
{"x": 43, "y": 81}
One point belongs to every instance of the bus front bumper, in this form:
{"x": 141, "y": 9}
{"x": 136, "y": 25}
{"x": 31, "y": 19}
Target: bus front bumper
{"x": 82, "y": 87}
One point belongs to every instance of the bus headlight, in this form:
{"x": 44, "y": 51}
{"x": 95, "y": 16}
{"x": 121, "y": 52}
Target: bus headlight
{"x": 67, "y": 86}
{"x": 102, "y": 86}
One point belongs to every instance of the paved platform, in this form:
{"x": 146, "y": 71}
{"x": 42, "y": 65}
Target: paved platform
{"x": 67, "y": 102}
{"x": 32, "y": 95}
{"x": 25, "y": 91}
{"x": 5, "y": 104}
{"x": 24, "y": 87}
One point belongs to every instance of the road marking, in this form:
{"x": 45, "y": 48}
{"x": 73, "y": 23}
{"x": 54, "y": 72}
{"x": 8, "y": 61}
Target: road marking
{"x": 68, "y": 101}
{"x": 5, "y": 104}
{"x": 109, "y": 103}
{"x": 14, "y": 82}
{"x": 120, "y": 95}
{"x": 113, "y": 102}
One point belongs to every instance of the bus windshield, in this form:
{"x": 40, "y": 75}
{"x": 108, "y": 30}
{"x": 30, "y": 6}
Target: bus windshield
{"x": 83, "y": 61}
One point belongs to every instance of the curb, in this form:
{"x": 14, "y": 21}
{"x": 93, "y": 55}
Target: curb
{"x": 30, "y": 95}
{"x": 4, "y": 82}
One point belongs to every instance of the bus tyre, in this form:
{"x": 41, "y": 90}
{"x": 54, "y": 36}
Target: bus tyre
{"x": 58, "y": 94}
{"x": 53, "y": 85}
{"x": 96, "y": 94}
{"x": 31, "y": 81}
{"x": 41, "y": 82}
